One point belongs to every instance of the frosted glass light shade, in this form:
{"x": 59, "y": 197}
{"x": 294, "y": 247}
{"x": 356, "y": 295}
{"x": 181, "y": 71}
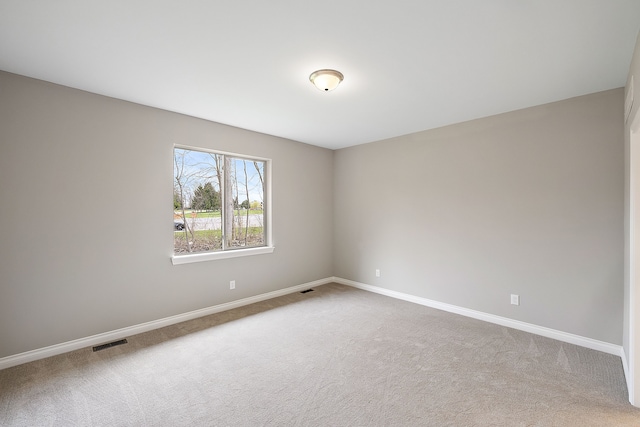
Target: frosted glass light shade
{"x": 326, "y": 80}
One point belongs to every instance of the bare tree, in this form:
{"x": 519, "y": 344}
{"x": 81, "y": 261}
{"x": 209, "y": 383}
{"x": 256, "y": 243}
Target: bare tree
{"x": 218, "y": 166}
{"x": 227, "y": 215}
{"x": 237, "y": 219}
{"x": 255, "y": 164}
{"x": 246, "y": 186}
{"x": 180, "y": 183}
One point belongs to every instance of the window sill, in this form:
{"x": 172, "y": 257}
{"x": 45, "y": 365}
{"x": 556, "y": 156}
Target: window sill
{"x": 212, "y": 256}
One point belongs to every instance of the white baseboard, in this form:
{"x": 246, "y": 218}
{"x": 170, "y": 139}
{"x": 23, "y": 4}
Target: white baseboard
{"x": 503, "y": 321}
{"x": 30, "y": 356}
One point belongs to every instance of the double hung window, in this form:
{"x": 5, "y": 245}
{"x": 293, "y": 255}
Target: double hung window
{"x": 220, "y": 203}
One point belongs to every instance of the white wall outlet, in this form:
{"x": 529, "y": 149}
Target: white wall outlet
{"x": 377, "y": 272}
{"x": 232, "y": 284}
{"x": 515, "y": 299}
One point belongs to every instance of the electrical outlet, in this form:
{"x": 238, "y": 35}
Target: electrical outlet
{"x": 232, "y": 284}
{"x": 377, "y": 272}
{"x": 515, "y": 299}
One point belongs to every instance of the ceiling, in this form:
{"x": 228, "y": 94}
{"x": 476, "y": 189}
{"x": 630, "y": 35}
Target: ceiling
{"x": 408, "y": 65}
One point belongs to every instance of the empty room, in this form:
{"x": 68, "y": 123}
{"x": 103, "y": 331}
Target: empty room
{"x": 419, "y": 213}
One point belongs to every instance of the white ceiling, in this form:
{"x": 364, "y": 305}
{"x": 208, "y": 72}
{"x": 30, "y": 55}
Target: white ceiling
{"x": 408, "y": 65}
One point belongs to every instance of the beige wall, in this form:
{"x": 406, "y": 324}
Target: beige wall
{"x": 529, "y": 203}
{"x": 86, "y": 190}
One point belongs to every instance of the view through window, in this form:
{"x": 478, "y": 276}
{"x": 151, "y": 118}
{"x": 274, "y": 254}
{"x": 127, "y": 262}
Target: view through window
{"x": 218, "y": 201}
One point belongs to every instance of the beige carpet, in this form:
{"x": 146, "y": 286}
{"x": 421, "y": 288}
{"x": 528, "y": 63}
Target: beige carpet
{"x": 337, "y": 356}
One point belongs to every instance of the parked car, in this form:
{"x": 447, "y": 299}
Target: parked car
{"x": 178, "y": 224}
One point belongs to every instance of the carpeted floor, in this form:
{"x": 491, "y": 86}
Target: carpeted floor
{"x": 337, "y": 356}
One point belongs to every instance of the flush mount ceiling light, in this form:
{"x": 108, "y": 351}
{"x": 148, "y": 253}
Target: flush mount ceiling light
{"x": 326, "y": 80}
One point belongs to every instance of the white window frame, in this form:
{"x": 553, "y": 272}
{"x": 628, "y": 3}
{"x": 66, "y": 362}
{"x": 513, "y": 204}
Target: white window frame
{"x": 267, "y": 218}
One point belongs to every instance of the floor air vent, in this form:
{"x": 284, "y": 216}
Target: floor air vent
{"x": 111, "y": 344}
{"x": 308, "y": 290}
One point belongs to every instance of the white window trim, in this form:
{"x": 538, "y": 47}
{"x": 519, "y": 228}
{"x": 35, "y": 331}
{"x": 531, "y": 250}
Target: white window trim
{"x": 211, "y": 256}
{"x": 239, "y": 252}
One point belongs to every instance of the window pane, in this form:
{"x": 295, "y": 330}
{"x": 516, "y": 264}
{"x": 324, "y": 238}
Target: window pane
{"x": 246, "y": 188}
{"x": 218, "y": 202}
{"x": 197, "y": 201}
